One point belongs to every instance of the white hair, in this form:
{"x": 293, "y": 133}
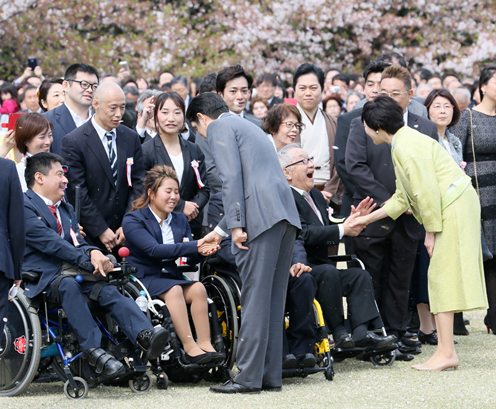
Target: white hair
{"x": 284, "y": 155}
{"x": 464, "y": 91}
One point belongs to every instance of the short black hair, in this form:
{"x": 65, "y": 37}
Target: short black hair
{"x": 424, "y": 74}
{"x": 209, "y": 83}
{"x": 449, "y": 74}
{"x": 486, "y": 74}
{"x": 71, "y": 72}
{"x": 445, "y": 94}
{"x": 375, "y": 67}
{"x": 333, "y": 69}
{"x": 179, "y": 79}
{"x": 342, "y": 77}
{"x": 10, "y": 88}
{"x": 390, "y": 57}
{"x": 383, "y": 113}
{"x": 271, "y": 78}
{"x": 209, "y": 104}
{"x": 160, "y": 101}
{"x": 41, "y": 162}
{"x": 23, "y": 95}
{"x": 307, "y": 68}
{"x": 44, "y": 88}
{"x": 228, "y": 74}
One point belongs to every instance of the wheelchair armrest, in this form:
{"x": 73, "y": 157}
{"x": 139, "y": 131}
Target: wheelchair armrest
{"x": 343, "y": 257}
{"x": 187, "y": 268}
{"x": 29, "y": 276}
{"x": 214, "y": 261}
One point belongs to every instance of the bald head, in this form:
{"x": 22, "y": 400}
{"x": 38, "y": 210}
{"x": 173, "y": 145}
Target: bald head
{"x": 109, "y": 103}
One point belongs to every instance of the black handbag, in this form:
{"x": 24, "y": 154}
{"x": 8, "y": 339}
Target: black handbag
{"x": 486, "y": 254}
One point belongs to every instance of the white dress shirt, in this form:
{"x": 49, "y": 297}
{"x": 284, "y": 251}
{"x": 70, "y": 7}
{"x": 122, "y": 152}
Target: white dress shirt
{"x": 101, "y": 134}
{"x": 77, "y": 119}
{"x": 167, "y": 236}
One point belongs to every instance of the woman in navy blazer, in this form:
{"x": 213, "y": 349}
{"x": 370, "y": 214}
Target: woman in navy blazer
{"x": 156, "y": 236}
{"x": 186, "y": 158}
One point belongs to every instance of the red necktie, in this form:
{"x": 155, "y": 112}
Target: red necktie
{"x": 53, "y": 209}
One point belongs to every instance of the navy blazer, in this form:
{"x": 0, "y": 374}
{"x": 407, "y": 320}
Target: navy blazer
{"x": 147, "y": 251}
{"x": 46, "y": 251}
{"x": 103, "y": 203}
{"x": 371, "y": 168}
{"x": 12, "y": 227}
{"x": 63, "y": 123}
{"x": 154, "y": 153}
{"x": 316, "y": 236}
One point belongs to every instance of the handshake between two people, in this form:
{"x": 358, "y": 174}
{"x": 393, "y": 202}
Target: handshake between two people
{"x": 359, "y": 217}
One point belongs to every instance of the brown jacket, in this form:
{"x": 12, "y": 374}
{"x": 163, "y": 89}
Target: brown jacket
{"x": 334, "y": 185}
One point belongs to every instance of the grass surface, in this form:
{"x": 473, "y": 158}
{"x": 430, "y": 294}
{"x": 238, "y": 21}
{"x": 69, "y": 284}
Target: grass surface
{"x": 356, "y": 385}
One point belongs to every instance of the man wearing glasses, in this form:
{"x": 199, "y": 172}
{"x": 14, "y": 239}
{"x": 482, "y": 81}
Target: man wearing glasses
{"x": 388, "y": 248}
{"x": 80, "y": 83}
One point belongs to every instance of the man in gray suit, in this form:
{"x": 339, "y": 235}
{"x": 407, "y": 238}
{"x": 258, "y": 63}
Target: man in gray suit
{"x": 263, "y": 220}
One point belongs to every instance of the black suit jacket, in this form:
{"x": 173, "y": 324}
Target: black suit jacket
{"x": 154, "y": 153}
{"x": 63, "y": 123}
{"x": 275, "y": 101}
{"x": 12, "y": 225}
{"x": 103, "y": 203}
{"x": 342, "y": 132}
{"x": 316, "y": 236}
{"x": 371, "y": 168}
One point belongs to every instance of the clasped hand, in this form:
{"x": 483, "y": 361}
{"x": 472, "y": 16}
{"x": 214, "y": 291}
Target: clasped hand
{"x": 207, "y": 248}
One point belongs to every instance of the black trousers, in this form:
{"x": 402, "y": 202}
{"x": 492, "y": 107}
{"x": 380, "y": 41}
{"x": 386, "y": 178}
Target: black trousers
{"x": 124, "y": 311}
{"x": 356, "y": 285}
{"x": 389, "y": 260}
{"x": 300, "y": 335}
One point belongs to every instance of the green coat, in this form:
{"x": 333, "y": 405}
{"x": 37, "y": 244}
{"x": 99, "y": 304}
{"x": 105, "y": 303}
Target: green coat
{"x": 441, "y": 197}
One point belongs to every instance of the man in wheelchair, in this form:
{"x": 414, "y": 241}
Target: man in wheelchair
{"x": 318, "y": 233}
{"x": 55, "y": 249}
{"x": 300, "y": 336}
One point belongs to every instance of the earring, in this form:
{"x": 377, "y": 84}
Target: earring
{"x": 377, "y": 131}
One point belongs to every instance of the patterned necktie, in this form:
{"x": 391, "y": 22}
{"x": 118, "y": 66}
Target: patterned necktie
{"x": 112, "y": 155}
{"x": 53, "y": 209}
{"x": 307, "y": 197}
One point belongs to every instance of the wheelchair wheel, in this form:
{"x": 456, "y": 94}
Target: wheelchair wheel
{"x": 220, "y": 293}
{"x": 162, "y": 381}
{"x": 141, "y": 383}
{"x": 385, "y": 359}
{"x": 80, "y": 393}
{"x": 21, "y": 347}
{"x": 329, "y": 374}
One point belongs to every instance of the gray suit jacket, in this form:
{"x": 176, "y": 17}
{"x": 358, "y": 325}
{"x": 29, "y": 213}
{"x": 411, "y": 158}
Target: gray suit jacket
{"x": 255, "y": 193}
{"x": 414, "y": 107}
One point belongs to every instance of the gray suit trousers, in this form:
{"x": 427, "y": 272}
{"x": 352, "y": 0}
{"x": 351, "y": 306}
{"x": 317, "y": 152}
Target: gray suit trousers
{"x": 264, "y": 272}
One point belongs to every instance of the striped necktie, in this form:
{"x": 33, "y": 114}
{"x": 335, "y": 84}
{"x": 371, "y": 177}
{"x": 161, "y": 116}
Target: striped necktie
{"x": 112, "y": 155}
{"x": 53, "y": 209}
{"x": 307, "y": 197}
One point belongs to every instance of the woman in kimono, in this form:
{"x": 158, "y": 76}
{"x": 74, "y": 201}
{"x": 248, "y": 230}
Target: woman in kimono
{"x": 435, "y": 189}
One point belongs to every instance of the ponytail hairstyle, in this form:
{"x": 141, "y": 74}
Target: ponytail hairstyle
{"x": 153, "y": 180}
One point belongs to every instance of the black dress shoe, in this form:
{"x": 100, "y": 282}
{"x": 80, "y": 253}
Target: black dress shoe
{"x": 233, "y": 387}
{"x": 269, "y": 388}
{"x": 153, "y": 341}
{"x": 458, "y": 325}
{"x": 199, "y": 359}
{"x": 409, "y": 349}
{"x": 104, "y": 364}
{"x": 410, "y": 342}
{"x": 374, "y": 341}
{"x": 306, "y": 360}
{"x": 430, "y": 339}
{"x": 401, "y": 356}
{"x": 344, "y": 342}
{"x": 217, "y": 357}
{"x": 289, "y": 362}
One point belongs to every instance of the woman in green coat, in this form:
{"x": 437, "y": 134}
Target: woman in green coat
{"x": 435, "y": 189}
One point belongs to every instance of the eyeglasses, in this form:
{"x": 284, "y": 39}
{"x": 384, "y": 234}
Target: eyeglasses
{"x": 298, "y": 125}
{"x": 86, "y": 84}
{"x": 392, "y": 94}
{"x": 445, "y": 106}
{"x": 304, "y": 161}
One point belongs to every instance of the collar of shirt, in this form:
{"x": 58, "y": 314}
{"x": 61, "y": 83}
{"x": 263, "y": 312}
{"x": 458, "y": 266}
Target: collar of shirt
{"x": 101, "y": 132}
{"x": 159, "y": 220}
{"x": 405, "y": 117}
{"x": 300, "y": 191}
{"x": 185, "y": 134}
{"x": 241, "y": 115}
{"x": 77, "y": 119}
{"x": 48, "y": 202}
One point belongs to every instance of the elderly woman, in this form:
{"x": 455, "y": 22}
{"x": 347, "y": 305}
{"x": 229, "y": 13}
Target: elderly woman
{"x": 442, "y": 198}
{"x": 283, "y": 124}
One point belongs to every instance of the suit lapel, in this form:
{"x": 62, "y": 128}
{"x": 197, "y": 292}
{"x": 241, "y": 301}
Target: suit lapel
{"x": 413, "y": 121}
{"x": 186, "y": 162}
{"x": 64, "y": 118}
{"x": 121, "y": 156}
{"x": 176, "y": 229}
{"x": 318, "y": 204}
{"x": 66, "y": 221}
{"x": 43, "y": 209}
{"x": 306, "y": 209}
{"x": 153, "y": 226}
{"x": 95, "y": 144}
{"x": 162, "y": 152}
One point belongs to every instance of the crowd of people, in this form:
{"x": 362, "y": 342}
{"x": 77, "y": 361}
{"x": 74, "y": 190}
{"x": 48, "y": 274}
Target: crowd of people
{"x": 272, "y": 179}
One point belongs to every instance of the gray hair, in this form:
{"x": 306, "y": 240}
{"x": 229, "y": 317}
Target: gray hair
{"x": 464, "y": 91}
{"x": 284, "y": 155}
{"x": 353, "y": 92}
{"x": 422, "y": 86}
{"x": 147, "y": 93}
{"x": 131, "y": 89}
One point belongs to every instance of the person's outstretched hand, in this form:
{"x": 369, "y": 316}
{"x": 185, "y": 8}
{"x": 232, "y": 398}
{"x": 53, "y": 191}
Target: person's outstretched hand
{"x": 365, "y": 207}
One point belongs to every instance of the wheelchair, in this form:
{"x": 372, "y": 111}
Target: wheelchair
{"x": 226, "y": 286}
{"x": 38, "y": 329}
{"x": 172, "y": 364}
